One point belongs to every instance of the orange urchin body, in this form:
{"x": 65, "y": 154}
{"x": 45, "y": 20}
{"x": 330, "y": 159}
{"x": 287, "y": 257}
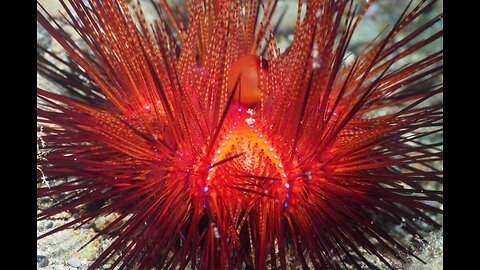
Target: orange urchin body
{"x": 250, "y": 73}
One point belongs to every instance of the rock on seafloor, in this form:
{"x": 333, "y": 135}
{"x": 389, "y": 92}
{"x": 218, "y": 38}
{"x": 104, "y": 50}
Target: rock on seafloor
{"x": 42, "y": 261}
{"x": 75, "y": 262}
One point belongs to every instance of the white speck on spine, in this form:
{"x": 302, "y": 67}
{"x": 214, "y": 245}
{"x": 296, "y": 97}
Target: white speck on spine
{"x": 250, "y": 121}
{"x": 216, "y": 234}
{"x": 315, "y": 51}
{"x": 44, "y": 179}
{"x": 315, "y": 60}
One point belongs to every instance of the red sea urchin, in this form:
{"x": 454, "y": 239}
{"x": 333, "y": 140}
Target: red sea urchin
{"x": 219, "y": 151}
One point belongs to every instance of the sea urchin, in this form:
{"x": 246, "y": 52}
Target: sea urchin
{"x": 218, "y": 150}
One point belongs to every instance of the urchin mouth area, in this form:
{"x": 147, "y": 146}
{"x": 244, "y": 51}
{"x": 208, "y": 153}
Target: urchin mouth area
{"x": 247, "y": 162}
